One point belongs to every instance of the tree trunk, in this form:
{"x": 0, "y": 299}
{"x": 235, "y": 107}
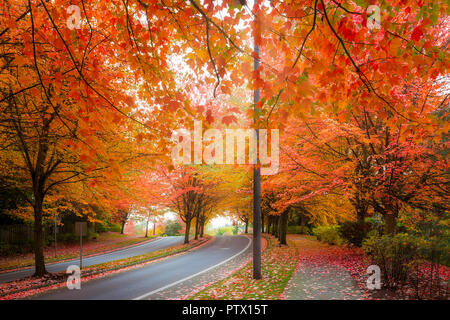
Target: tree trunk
{"x": 123, "y": 227}
{"x": 246, "y": 226}
{"x": 269, "y": 224}
{"x": 283, "y": 227}
{"x": 390, "y": 224}
{"x": 276, "y": 231}
{"x": 361, "y": 214}
{"x": 361, "y": 206}
{"x": 154, "y": 228}
{"x": 262, "y": 222}
{"x": 202, "y": 229}
{"x": 274, "y": 226}
{"x": 302, "y": 224}
{"x": 197, "y": 228}
{"x": 39, "y": 262}
{"x": 186, "y": 232}
{"x": 146, "y": 230}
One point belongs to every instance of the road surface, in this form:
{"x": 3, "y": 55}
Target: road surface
{"x": 143, "y": 282}
{"x": 132, "y": 251}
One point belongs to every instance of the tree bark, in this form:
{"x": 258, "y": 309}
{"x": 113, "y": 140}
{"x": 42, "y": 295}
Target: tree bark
{"x": 246, "y": 226}
{"x": 197, "y": 227}
{"x": 276, "y": 229}
{"x": 390, "y": 224}
{"x": 146, "y": 230}
{"x": 186, "y": 232}
{"x": 154, "y": 228}
{"x": 283, "y": 227}
{"x": 274, "y": 226}
{"x": 302, "y": 224}
{"x": 269, "y": 224}
{"x": 202, "y": 229}
{"x": 123, "y": 227}
{"x": 262, "y": 222}
{"x": 39, "y": 262}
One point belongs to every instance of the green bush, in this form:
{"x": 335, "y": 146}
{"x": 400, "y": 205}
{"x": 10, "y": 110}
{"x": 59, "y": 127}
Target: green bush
{"x": 107, "y": 227}
{"x": 225, "y": 231}
{"x": 328, "y": 234}
{"x": 115, "y": 227}
{"x": 395, "y": 255}
{"x": 298, "y": 230}
{"x": 8, "y": 249}
{"x": 68, "y": 237}
{"x": 93, "y": 235}
{"x": 354, "y": 232}
{"x": 102, "y": 227}
{"x": 437, "y": 233}
{"x": 5, "y": 249}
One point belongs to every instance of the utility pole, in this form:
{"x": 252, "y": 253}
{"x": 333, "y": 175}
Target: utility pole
{"x": 256, "y": 168}
{"x": 56, "y": 227}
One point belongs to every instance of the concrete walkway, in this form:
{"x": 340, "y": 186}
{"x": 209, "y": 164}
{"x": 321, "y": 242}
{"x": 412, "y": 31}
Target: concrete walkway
{"x": 318, "y": 276}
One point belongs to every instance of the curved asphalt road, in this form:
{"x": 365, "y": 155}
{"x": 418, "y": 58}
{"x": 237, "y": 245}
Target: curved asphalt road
{"x": 132, "y": 251}
{"x": 142, "y": 282}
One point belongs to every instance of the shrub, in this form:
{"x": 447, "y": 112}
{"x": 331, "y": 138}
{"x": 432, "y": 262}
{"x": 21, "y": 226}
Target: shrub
{"x": 298, "y": 230}
{"x": 328, "y": 234}
{"x": 395, "y": 255}
{"x": 5, "y": 249}
{"x": 354, "y": 232}
{"x": 102, "y": 227}
{"x": 115, "y": 227}
{"x": 225, "y": 231}
{"x": 93, "y": 235}
{"x": 68, "y": 237}
{"x": 9, "y": 249}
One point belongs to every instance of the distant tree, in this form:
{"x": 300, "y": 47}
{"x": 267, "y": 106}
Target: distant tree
{"x": 173, "y": 228}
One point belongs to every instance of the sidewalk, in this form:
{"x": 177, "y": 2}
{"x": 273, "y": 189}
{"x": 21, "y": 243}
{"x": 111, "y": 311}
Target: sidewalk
{"x": 318, "y": 275}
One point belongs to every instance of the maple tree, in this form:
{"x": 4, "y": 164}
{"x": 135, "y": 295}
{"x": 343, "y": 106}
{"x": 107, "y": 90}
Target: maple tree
{"x": 57, "y": 124}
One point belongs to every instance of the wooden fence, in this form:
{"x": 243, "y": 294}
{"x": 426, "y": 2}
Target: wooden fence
{"x": 20, "y": 233}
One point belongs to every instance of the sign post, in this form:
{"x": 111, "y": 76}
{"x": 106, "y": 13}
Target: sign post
{"x": 81, "y": 228}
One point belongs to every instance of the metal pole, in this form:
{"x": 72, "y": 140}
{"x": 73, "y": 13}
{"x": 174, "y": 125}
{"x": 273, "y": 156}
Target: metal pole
{"x": 256, "y": 168}
{"x": 81, "y": 247}
{"x": 56, "y": 226}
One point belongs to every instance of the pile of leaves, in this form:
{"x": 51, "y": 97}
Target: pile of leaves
{"x": 278, "y": 263}
{"x": 34, "y": 285}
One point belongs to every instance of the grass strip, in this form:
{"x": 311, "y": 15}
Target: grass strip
{"x": 278, "y": 264}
